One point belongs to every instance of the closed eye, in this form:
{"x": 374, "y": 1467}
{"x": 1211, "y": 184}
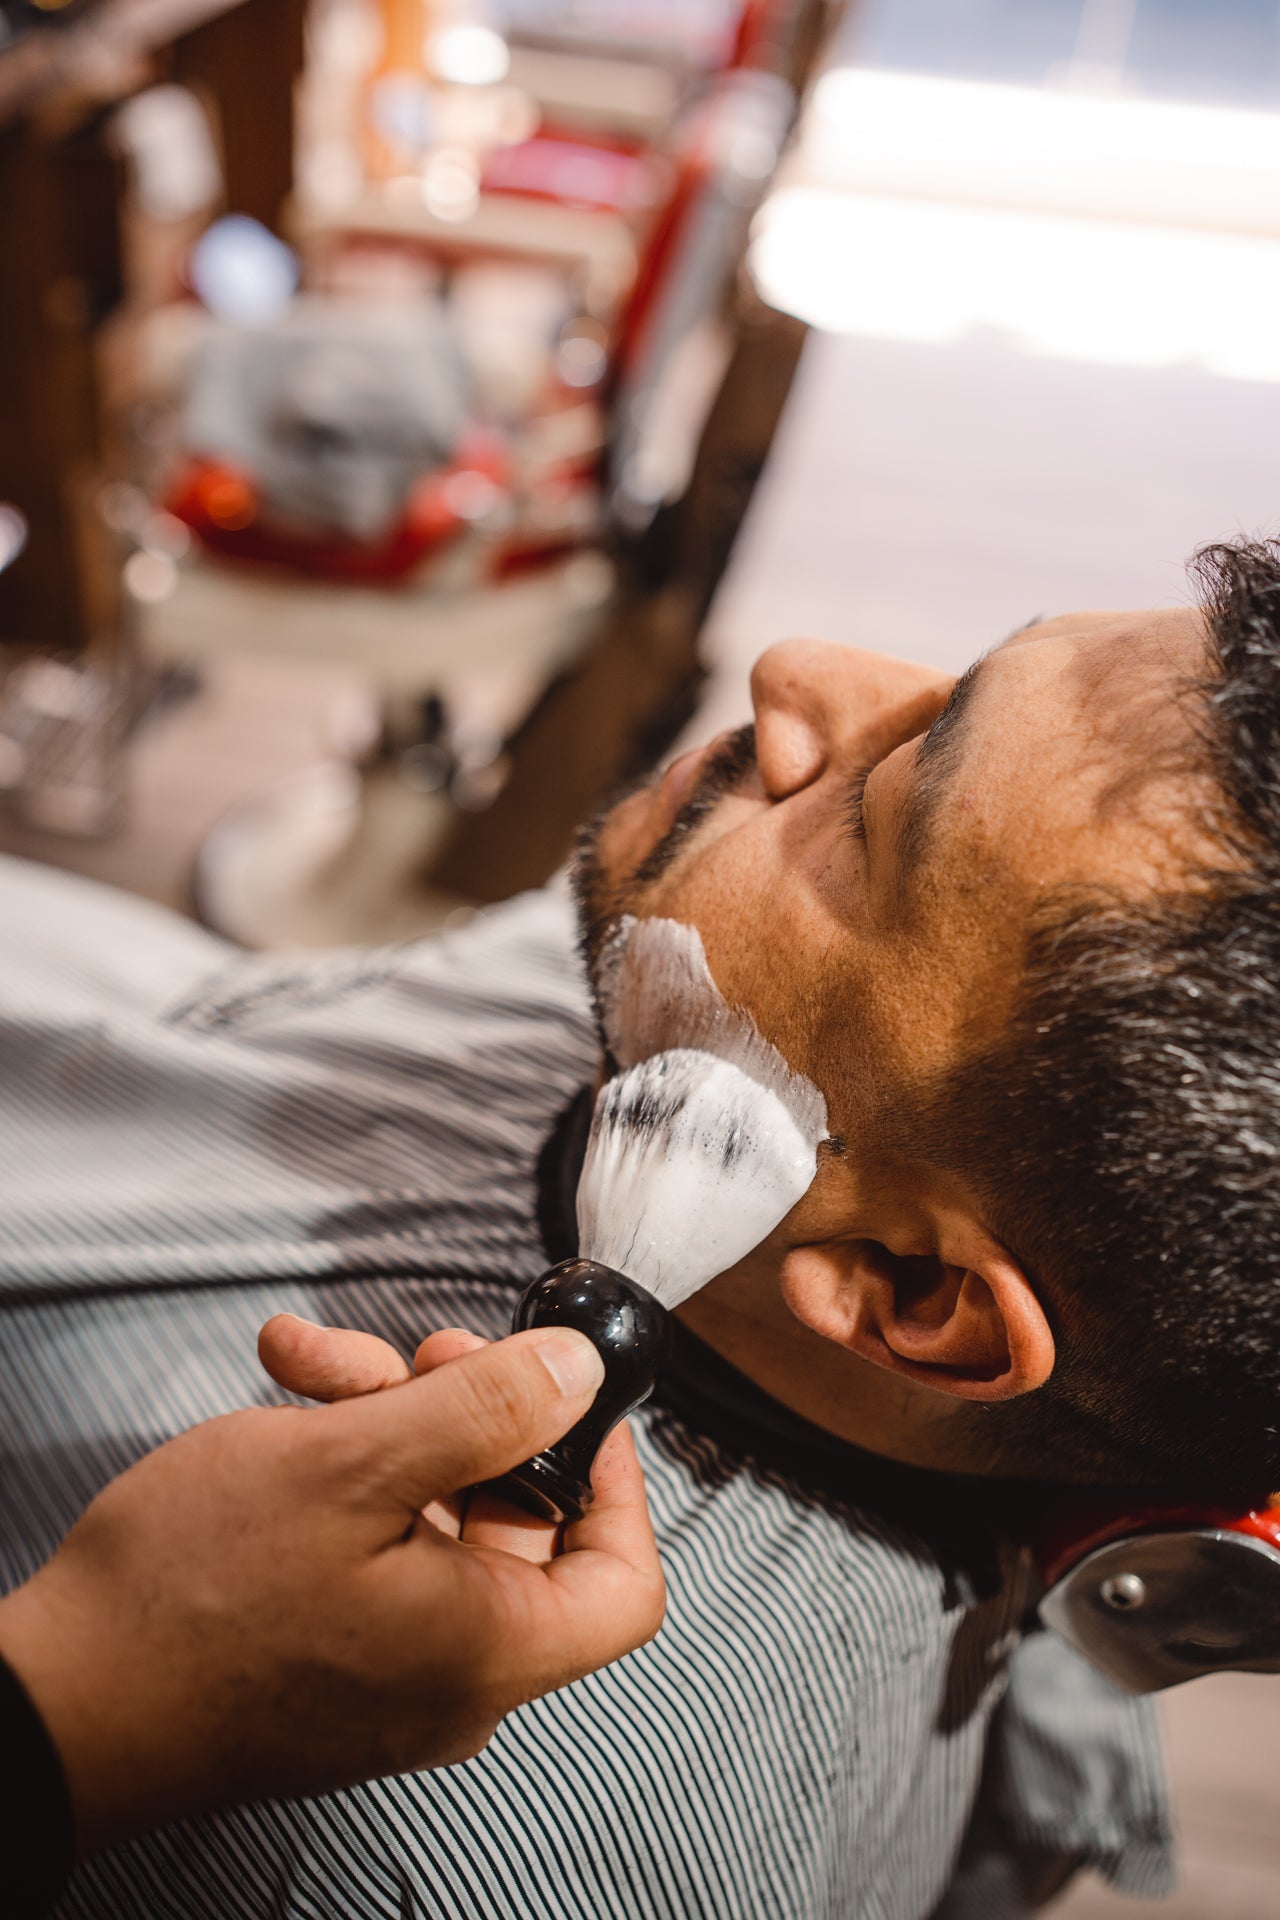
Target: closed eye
{"x": 854, "y": 813}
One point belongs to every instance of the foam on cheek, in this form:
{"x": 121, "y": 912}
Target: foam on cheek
{"x": 706, "y": 1140}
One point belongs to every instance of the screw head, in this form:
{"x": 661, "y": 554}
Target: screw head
{"x": 1123, "y": 1592}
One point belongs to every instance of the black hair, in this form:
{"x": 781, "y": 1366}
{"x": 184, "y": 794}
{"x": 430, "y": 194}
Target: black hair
{"x": 1125, "y": 1132}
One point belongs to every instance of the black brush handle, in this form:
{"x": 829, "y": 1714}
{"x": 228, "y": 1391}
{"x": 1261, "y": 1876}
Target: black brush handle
{"x": 632, "y": 1332}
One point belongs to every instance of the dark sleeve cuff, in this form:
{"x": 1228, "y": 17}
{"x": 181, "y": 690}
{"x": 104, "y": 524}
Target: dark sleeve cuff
{"x": 36, "y": 1835}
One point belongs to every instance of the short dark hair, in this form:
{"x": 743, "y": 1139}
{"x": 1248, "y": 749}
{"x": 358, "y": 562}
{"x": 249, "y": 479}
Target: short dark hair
{"x": 1125, "y": 1133}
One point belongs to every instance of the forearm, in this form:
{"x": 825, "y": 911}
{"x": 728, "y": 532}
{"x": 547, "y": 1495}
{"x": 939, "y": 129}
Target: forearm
{"x": 259, "y": 1607}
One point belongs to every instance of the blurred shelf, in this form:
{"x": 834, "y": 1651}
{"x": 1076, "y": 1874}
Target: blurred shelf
{"x": 97, "y": 53}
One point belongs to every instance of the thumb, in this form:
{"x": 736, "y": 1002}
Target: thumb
{"x": 478, "y": 1416}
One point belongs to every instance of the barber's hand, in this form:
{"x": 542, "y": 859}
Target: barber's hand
{"x": 261, "y": 1608}
{"x": 338, "y": 1363}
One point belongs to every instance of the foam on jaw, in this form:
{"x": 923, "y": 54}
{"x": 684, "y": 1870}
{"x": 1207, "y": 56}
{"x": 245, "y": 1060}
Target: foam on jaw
{"x": 656, "y": 992}
{"x": 707, "y": 1139}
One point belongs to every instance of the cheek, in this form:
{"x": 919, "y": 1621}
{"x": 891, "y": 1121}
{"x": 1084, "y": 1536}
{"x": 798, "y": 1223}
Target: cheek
{"x": 773, "y": 950}
{"x": 743, "y": 908}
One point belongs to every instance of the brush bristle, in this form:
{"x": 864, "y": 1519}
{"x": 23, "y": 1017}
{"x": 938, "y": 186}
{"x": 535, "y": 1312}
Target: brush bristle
{"x": 691, "y": 1163}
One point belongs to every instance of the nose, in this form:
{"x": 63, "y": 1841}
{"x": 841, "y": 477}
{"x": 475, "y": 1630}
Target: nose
{"x": 816, "y": 702}
{"x": 793, "y": 730}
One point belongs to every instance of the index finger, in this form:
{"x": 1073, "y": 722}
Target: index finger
{"x": 327, "y": 1363}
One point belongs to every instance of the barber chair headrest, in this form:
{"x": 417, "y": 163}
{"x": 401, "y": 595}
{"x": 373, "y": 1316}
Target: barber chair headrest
{"x": 1156, "y": 1595}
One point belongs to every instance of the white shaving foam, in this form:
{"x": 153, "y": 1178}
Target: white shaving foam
{"x": 656, "y": 991}
{"x": 707, "y": 1139}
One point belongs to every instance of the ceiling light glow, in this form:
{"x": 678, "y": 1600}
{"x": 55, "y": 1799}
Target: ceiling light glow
{"x": 468, "y": 56}
{"x": 1044, "y": 148}
{"x": 1108, "y": 291}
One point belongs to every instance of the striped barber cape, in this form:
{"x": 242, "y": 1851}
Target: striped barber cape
{"x": 193, "y": 1139}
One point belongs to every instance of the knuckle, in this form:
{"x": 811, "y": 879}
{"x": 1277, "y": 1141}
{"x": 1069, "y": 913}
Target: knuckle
{"x": 641, "y": 1621}
{"x": 476, "y": 1738}
{"x": 310, "y": 1449}
{"x": 655, "y": 1612}
{"x": 499, "y": 1398}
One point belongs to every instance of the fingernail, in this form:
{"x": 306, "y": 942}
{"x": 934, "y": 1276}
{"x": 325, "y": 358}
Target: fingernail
{"x": 298, "y": 1317}
{"x": 571, "y": 1360}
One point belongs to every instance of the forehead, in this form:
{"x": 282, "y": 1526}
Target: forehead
{"x": 1098, "y": 648}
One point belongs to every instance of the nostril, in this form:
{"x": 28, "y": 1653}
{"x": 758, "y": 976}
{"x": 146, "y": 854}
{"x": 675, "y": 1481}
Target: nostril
{"x": 791, "y": 753}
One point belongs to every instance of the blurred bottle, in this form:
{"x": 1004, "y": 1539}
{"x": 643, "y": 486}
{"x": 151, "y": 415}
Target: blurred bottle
{"x": 398, "y": 118}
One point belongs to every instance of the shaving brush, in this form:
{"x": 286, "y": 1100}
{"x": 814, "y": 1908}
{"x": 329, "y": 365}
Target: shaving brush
{"x": 631, "y": 1330}
{"x": 691, "y": 1161}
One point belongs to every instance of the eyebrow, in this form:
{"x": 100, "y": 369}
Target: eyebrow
{"x": 937, "y": 758}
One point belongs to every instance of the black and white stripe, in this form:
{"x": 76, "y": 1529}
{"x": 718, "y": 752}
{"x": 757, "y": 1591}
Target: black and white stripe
{"x": 191, "y": 1140}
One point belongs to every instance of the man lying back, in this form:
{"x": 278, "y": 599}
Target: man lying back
{"x": 1021, "y": 932}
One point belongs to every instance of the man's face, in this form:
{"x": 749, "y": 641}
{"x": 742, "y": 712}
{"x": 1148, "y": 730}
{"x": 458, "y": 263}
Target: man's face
{"x": 863, "y": 880}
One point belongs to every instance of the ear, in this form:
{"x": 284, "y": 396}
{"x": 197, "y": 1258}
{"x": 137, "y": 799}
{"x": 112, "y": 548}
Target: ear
{"x": 965, "y": 1321}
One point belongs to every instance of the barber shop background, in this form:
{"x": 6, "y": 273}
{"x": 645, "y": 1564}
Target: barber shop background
{"x": 418, "y": 413}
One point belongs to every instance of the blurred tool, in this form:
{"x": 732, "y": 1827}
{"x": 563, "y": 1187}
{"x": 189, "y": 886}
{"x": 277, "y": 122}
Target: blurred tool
{"x": 61, "y": 739}
{"x": 1156, "y": 1595}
